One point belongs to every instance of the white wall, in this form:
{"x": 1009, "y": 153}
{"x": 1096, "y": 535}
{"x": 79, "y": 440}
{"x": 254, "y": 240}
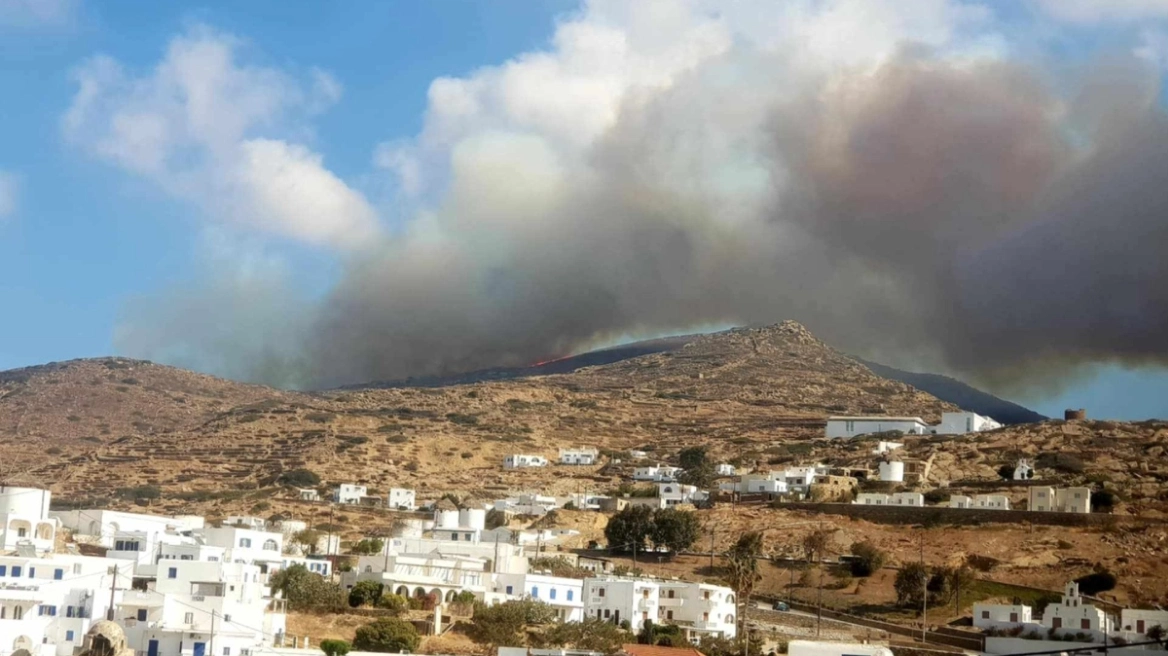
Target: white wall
{"x": 854, "y": 426}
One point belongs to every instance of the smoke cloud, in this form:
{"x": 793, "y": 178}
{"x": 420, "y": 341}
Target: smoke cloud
{"x": 896, "y": 177}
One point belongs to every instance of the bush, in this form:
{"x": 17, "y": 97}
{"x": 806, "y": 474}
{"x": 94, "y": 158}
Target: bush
{"x": 506, "y": 623}
{"x": 692, "y": 458}
{"x": 936, "y": 496}
{"x": 1103, "y": 500}
{"x": 334, "y": 647}
{"x": 869, "y": 559}
{"x": 299, "y": 478}
{"x": 1096, "y": 582}
{"x": 307, "y": 591}
{"x": 393, "y": 602}
{"x": 368, "y": 546}
{"x": 365, "y": 593}
{"x": 387, "y": 634}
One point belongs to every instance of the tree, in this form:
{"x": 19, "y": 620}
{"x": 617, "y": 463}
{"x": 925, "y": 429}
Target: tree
{"x": 742, "y": 565}
{"x": 1096, "y": 582}
{"x": 368, "y": 546}
{"x": 299, "y": 478}
{"x": 307, "y": 591}
{"x": 692, "y": 457}
{"x": 496, "y": 518}
{"x": 365, "y": 593}
{"x": 702, "y": 476}
{"x": 506, "y": 623}
{"x": 960, "y": 579}
{"x": 334, "y": 647}
{"x": 1103, "y": 501}
{"x": 593, "y": 634}
{"x": 629, "y": 528}
{"x": 306, "y": 539}
{"x": 869, "y": 559}
{"x": 1156, "y": 633}
{"x": 910, "y": 584}
{"x": 387, "y": 634}
{"x": 815, "y": 544}
{"x": 1006, "y": 472}
{"x": 675, "y": 529}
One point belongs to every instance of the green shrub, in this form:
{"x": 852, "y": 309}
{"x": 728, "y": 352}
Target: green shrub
{"x": 387, "y": 634}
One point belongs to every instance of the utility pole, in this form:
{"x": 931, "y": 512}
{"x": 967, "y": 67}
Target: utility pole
{"x": 109, "y": 614}
{"x": 711, "y": 548}
{"x": 211, "y": 641}
{"x": 924, "y": 593}
{"x": 328, "y": 548}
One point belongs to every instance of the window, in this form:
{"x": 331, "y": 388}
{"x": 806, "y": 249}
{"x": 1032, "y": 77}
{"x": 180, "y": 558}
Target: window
{"x": 570, "y": 595}
{"x": 985, "y": 614}
{"x": 32, "y": 572}
{"x": 227, "y": 651}
{"x": 189, "y": 618}
{"x": 600, "y": 592}
{"x": 172, "y": 573}
{"x": 607, "y": 613}
{"x": 141, "y": 614}
{"x": 510, "y": 590}
{"x": 705, "y": 594}
{"x": 3, "y": 570}
{"x": 454, "y": 537}
{"x": 645, "y": 593}
{"x": 70, "y": 611}
{"x": 552, "y": 594}
{"x": 270, "y": 545}
{"x": 17, "y": 613}
{"x": 705, "y": 617}
{"x": 1013, "y": 617}
{"x": 68, "y": 636}
{"x": 15, "y": 571}
{"x": 669, "y": 594}
{"x": 245, "y": 543}
{"x": 468, "y": 537}
{"x": 76, "y": 568}
{"x": 22, "y": 532}
{"x": 668, "y": 614}
{"x": 534, "y": 592}
{"x": 58, "y": 574}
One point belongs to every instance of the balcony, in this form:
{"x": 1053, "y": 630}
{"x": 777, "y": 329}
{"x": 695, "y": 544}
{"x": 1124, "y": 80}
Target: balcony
{"x": 671, "y": 602}
{"x": 645, "y": 604}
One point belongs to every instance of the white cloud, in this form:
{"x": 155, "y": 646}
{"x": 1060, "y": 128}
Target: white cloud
{"x": 9, "y": 194}
{"x": 33, "y": 13}
{"x": 210, "y": 129}
{"x": 1094, "y": 11}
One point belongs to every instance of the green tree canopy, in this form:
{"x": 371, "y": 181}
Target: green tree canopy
{"x": 506, "y": 623}
{"x": 387, "y": 634}
{"x": 334, "y": 647}
{"x": 869, "y": 559}
{"x": 365, "y": 593}
{"x": 692, "y": 457}
{"x": 307, "y": 591}
{"x": 629, "y": 528}
{"x": 675, "y": 529}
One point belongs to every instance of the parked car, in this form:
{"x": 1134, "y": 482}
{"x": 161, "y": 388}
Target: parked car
{"x": 780, "y": 606}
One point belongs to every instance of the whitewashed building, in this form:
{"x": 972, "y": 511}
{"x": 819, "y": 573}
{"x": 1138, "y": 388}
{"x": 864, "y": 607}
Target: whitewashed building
{"x": 912, "y": 499}
{"x": 886, "y": 447}
{"x": 579, "y": 456}
{"x": 725, "y": 469}
{"x": 891, "y": 471}
{"x": 523, "y": 460}
{"x": 769, "y": 483}
{"x": 980, "y": 502}
{"x": 1023, "y": 470}
{"x": 1074, "y": 615}
{"x": 264, "y": 549}
{"x": 402, "y": 499}
{"x": 439, "y": 574}
{"x": 1138, "y": 622}
{"x": 308, "y": 494}
{"x": 25, "y": 519}
{"x": 459, "y": 525}
{"x": 855, "y": 426}
{"x": 698, "y": 608}
{"x": 48, "y": 603}
{"x": 960, "y": 423}
{"x": 190, "y": 606}
{"x": 565, "y": 595}
{"x": 350, "y": 493}
{"x": 103, "y": 525}
{"x": 675, "y": 493}
{"x": 657, "y": 473}
{"x": 1050, "y": 499}
{"x": 997, "y": 616}
{"x": 246, "y": 521}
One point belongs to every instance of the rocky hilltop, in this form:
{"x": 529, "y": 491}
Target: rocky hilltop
{"x": 89, "y": 428}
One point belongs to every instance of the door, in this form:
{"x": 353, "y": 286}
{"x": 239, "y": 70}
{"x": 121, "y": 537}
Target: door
{"x": 152, "y": 648}
{"x": 200, "y": 649}
{"x": 1139, "y": 626}
{"x": 1056, "y": 623}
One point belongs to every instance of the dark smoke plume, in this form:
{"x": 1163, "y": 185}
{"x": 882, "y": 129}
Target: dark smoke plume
{"x": 990, "y": 219}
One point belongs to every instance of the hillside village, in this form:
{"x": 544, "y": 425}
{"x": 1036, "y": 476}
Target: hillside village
{"x": 200, "y": 516}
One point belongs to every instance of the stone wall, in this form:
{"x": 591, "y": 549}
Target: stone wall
{"x": 946, "y": 515}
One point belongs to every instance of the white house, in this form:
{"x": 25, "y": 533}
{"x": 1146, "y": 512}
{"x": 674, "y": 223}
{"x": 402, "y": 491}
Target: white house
{"x": 564, "y": 595}
{"x": 192, "y": 605}
{"x": 637, "y": 454}
{"x": 349, "y": 493}
{"x": 725, "y": 469}
{"x": 459, "y": 525}
{"x": 522, "y": 460}
{"x": 401, "y": 498}
{"x": 438, "y": 574}
{"x": 245, "y": 521}
{"x": 103, "y": 525}
{"x": 676, "y": 493}
{"x": 801, "y": 478}
{"x": 698, "y": 608}
{"x": 24, "y": 518}
{"x": 769, "y": 483}
{"x": 1049, "y": 499}
{"x": 263, "y": 549}
{"x": 1023, "y": 470}
{"x": 1139, "y": 622}
{"x": 1075, "y": 615}
{"x": 960, "y": 423}
{"x": 854, "y": 426}
{"x": 580, "y": 456}
{"x": 891, "y": 471}
{"x": 994, "y": 616}
{"x": 657, "y": 473}
{"x": 48, "y": 603}
{"x": 308, "y": 494}
{"x": 914, "y": 499}
{"x": 886, "y": 447}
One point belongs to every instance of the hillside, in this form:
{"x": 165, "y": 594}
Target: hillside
{"x": 741, "y": 391}
{"x": 957, "y": 392}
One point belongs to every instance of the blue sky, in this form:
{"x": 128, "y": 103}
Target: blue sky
{"x": 344, "y": 96}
